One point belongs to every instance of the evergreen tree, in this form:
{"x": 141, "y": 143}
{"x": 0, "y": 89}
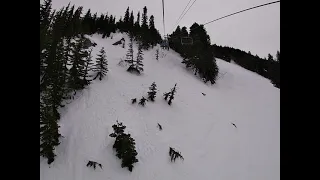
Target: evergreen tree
{"x": 69, "y": 24}
{"x": 88, "y": 68}
{"x": 154, "y": 34}
{"x": 126, "y": 20}
{"x": 129, "y": 55}
{"x": 131, "y": 22}
{"x": 270, "y": 57}
{"x": 86, "y": 22}
{"x": 77, "y": 60}
{"x": 120, "y": 24}
{"x": 151, "y": 23}
{"x": 142, "y": 101}
{"x": 102, "y": 65}
{"x": 124, "y": 145}
{"x": 144, "y": 24}
{"x": 49, "y": 129}
{"x": 76, "y": 21}
{"x": 152, "y": 93}
{"x": 136, "y": 27}
{"x": 45, "y": 10}
{"x": 145, "y": 29}
{"x": 137, "y": 23}
{"x": 45, "y": 21}
{"x": 139, "y": 64}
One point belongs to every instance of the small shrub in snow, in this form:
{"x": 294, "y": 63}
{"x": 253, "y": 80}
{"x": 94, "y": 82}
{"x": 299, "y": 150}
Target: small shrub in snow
{"x": 152, "y": 93}
{"x": 134, "y": 100}
{"x": 174, "y": 154}
{"x": 143, "y": 101}
{"x": 125, "y": 146}
{"x": 93, "y": 164}
{"x": 157, "y": 54}
{"x": 160, "y": 127}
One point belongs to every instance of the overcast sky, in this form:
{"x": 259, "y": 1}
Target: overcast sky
{"x": 257, "y": 30}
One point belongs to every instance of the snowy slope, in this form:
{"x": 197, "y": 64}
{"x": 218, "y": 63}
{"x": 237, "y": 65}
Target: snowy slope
{"x": 198, "y": 126}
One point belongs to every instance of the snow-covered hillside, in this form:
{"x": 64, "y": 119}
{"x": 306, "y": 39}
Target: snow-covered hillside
{"x": 196, "y": 125}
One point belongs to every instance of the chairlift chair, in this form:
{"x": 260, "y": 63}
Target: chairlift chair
{"x": 186, "y": 41}
{"x": 165, "y": 44}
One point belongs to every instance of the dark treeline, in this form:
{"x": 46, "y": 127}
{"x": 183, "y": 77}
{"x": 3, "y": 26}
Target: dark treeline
{"x": 268, "y": 68}
{"x": 197, "y": 55}
{"x": 66, "y": 64}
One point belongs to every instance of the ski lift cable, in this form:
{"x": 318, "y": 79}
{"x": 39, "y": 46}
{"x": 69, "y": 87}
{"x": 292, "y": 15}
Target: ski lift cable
{"x": 231, "y": 15}
{"x": 181, "y": 15}
{"x": 164, "y": 28}
{"x": 185, "y": 13}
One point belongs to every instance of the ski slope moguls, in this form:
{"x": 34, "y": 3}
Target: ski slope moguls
{"x": 198, "y": 126}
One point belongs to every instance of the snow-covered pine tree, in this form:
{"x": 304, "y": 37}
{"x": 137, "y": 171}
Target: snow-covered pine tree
{"x": 129, "y": 55}
{"x": 102, "y": 65}
{"x": 139, "y": 64}
{"x": 172, "y": 93}
{"x": 153, "y": 91}
{"x": 124, "y": 145}
{"x": 142, "y": 101}
{"x": 88, "y": 68}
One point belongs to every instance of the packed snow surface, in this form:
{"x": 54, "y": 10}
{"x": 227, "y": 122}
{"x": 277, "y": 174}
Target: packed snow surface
{"x": 199, "y": 126}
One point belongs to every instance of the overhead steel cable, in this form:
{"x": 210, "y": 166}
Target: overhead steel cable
{"x": 231, "y": 15}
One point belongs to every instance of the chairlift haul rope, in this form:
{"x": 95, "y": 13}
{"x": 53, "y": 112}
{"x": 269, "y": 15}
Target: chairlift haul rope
{"x": 164, "y": 28}
{"x": 230, "y": 15}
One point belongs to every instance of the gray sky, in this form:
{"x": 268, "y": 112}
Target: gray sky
{"x": 257, "y": 30}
